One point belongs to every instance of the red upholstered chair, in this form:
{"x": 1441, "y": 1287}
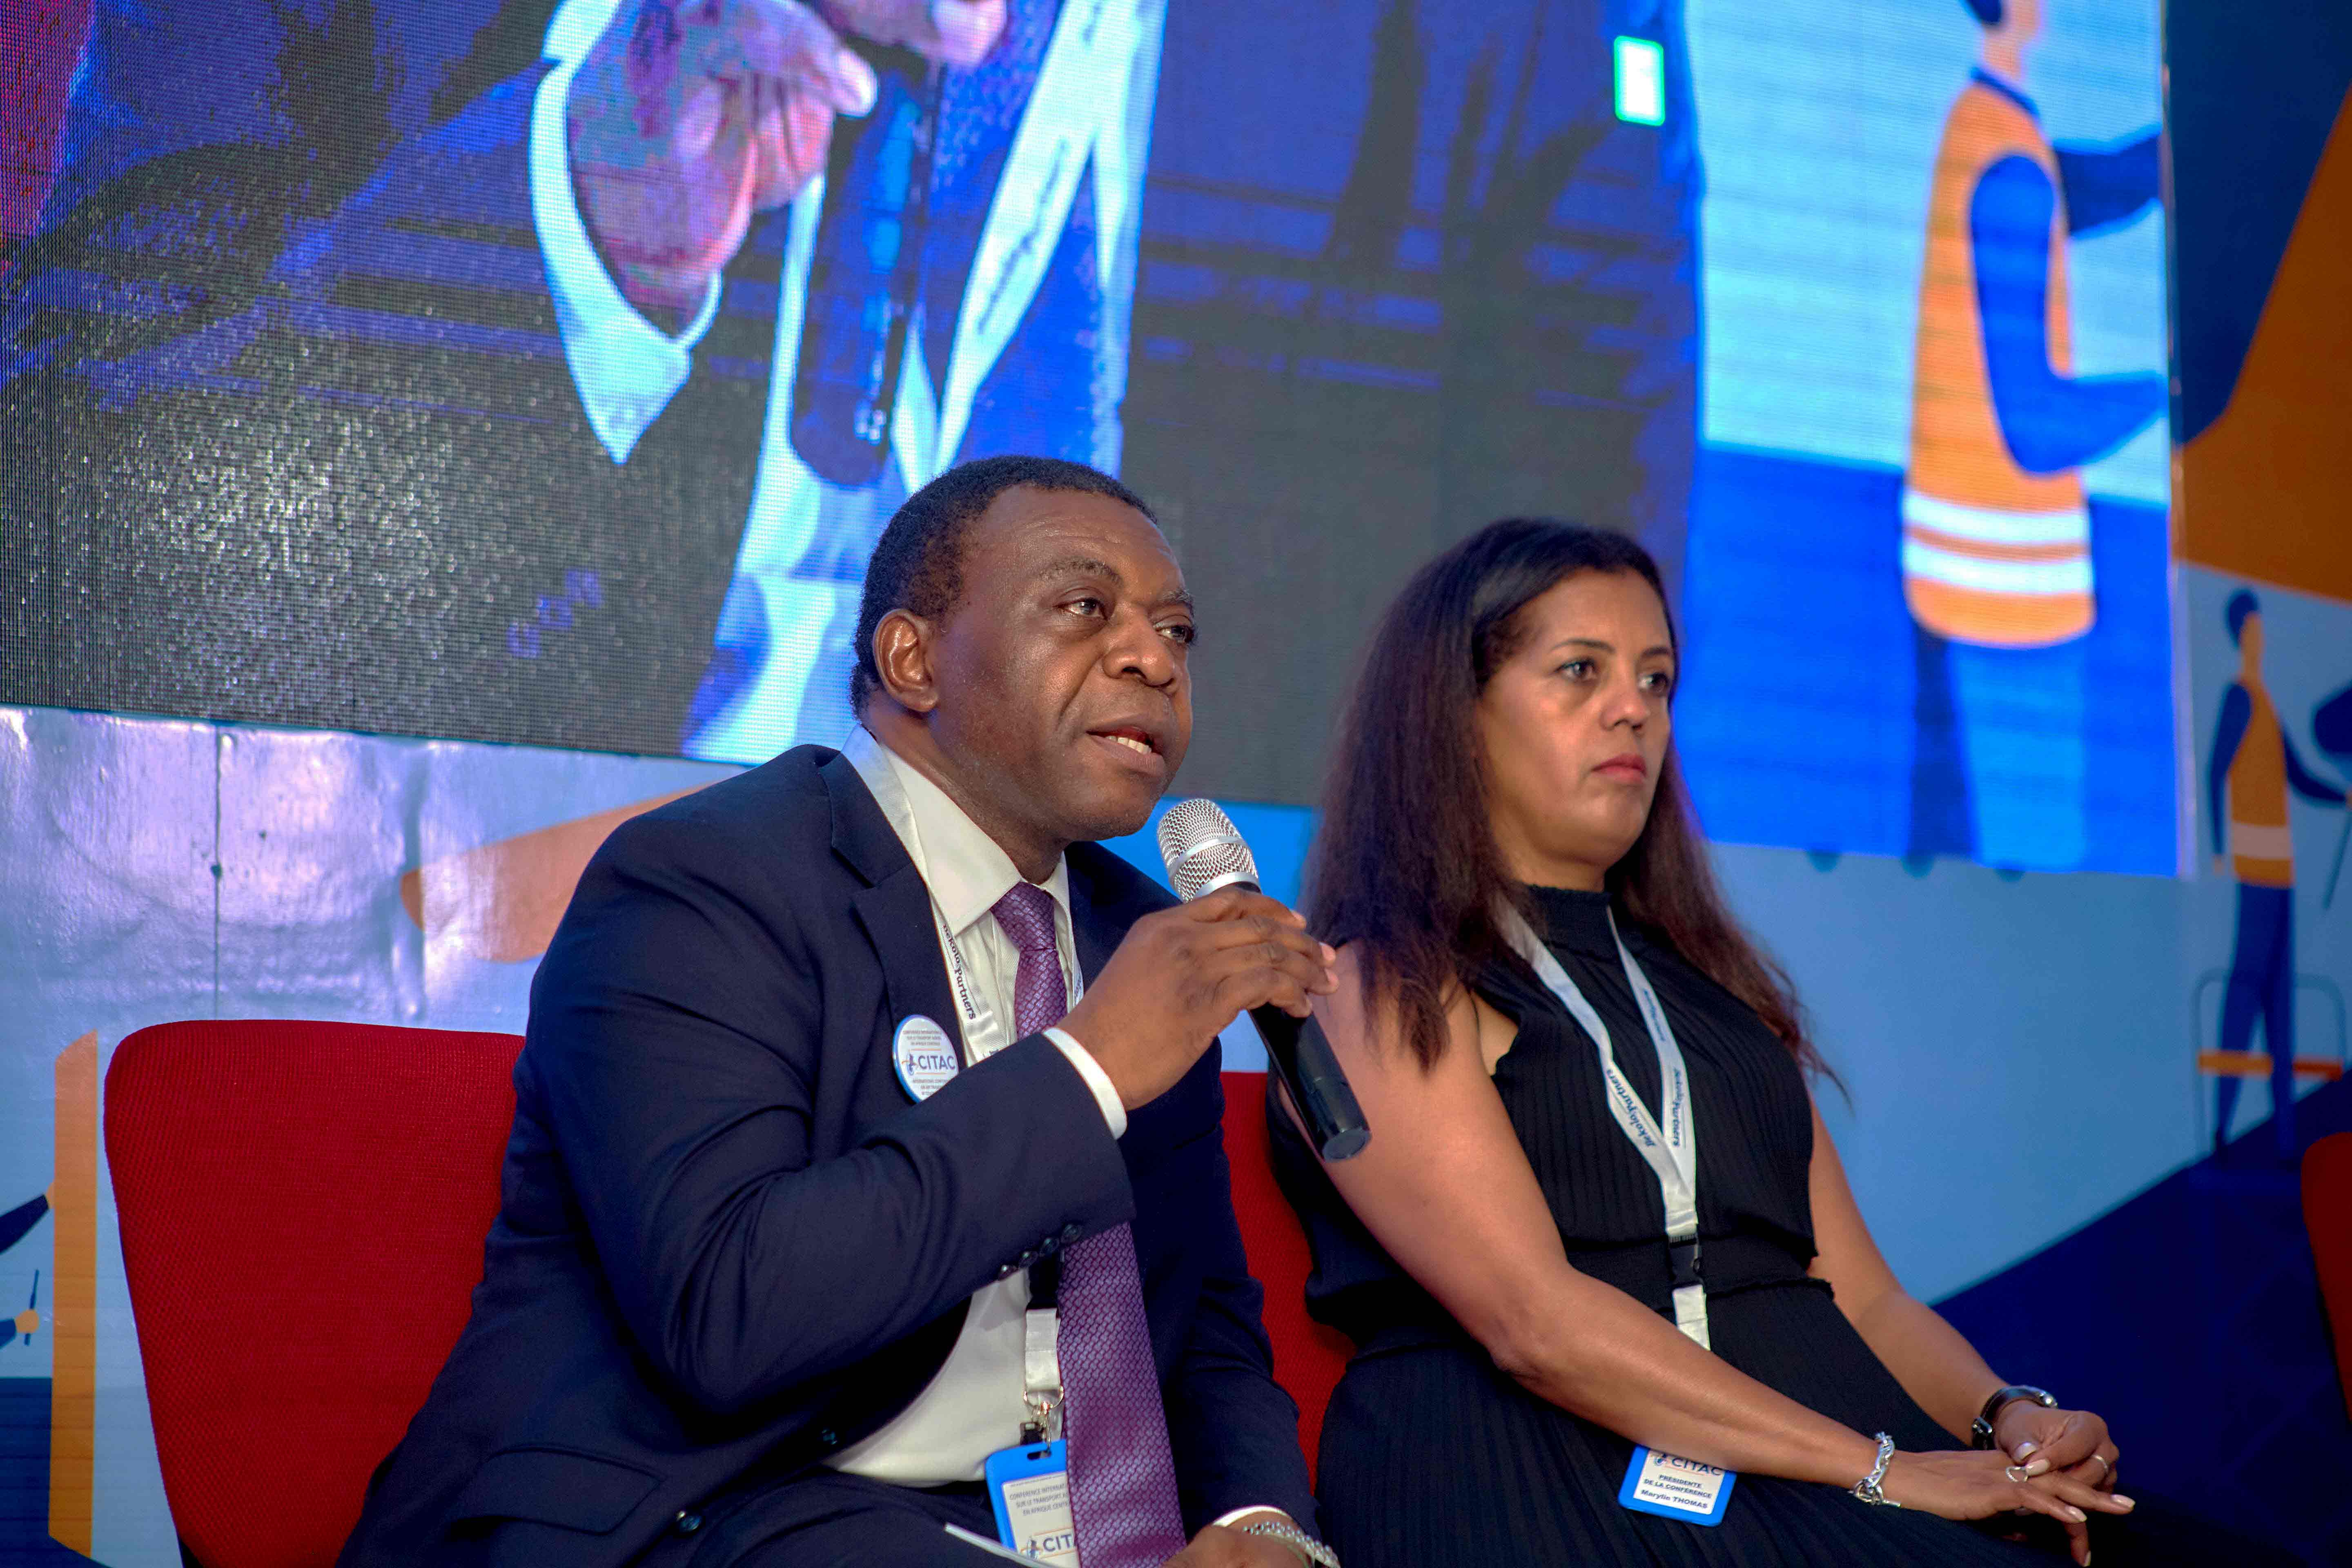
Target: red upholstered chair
{"x": 1307, "y": 1356}
{"x": 302, "y": 1209}
{"x": 2327, "y": 1215}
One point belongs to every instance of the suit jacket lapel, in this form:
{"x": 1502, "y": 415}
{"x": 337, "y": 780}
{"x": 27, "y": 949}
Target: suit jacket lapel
{"x": 895, "y": 907}
{"x": 1090, "y": 932}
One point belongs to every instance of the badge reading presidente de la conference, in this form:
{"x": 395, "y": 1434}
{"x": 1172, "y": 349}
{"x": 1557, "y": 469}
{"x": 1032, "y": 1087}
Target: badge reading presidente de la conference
{"x": 924, "y": 1056}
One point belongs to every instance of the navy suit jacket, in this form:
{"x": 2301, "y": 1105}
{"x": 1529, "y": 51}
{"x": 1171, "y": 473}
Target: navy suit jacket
{"x": 729, "y": 1244}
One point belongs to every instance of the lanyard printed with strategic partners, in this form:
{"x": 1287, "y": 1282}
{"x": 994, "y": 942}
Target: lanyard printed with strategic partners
{"x": 1672, "y": 1150}
{"x": 1041, "y": 1348}
{"x": 983, "y": 1028}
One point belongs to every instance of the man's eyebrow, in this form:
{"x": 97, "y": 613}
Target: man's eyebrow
{"x": 1092, "y": 566}
{"x": 1084, "y": 566}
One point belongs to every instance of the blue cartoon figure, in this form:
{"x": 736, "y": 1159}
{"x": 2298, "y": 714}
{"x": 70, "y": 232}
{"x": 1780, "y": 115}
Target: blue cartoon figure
{"x": 2247, "y": 778}
{"x": 14, "y": 1227}
{"x": 1996, "y": 524}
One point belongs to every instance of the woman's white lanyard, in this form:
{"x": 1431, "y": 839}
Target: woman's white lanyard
{"x": 982, "y": 1029}
{"x": 1672, "y": 1151}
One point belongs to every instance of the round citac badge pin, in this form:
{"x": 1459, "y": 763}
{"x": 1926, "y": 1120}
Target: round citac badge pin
{"x": 924, "y": 1056}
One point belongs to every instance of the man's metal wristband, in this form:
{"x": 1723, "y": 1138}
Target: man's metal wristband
{"x": 1298, "y": 1539}
{"x": 1980, "y": 1429}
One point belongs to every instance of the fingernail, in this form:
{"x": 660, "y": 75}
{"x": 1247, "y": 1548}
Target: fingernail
{"x": 858, "y": 78}
{"x": 2024, "y": 1448}
{"x": 964, "y": 31}
{"x": 2037, "y": 1466}
{"x": 2123, "y": 1502}
{"x": 1331, "y": 953}
{"x": 2078, "y": 1515}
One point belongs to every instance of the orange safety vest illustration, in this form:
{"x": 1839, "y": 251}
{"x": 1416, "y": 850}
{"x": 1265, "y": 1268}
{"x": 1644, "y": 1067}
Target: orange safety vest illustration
{"x": 1992, "y": 554}
{"x": 2262, "y": 849}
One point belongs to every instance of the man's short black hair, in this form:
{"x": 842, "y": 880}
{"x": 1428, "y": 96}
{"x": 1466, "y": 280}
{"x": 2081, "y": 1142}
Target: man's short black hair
{"x": 1989, "y": 12}
{"x": 918, "y": 564}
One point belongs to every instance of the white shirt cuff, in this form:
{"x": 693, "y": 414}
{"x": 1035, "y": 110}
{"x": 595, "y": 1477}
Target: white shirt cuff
{"x": 1227, "y": 1519}
{"x": 1105, "y": 1092}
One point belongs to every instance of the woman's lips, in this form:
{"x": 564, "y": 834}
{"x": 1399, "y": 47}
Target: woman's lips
{"x": 1629, "y": 768}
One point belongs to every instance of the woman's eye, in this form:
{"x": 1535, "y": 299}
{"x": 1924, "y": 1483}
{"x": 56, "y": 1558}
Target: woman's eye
{"x": 1578, "y": 669}
{"x": 1659, "y": 681}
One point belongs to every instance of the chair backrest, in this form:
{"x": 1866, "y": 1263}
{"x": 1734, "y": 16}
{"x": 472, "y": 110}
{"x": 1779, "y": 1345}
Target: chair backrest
{"x": 2327, "y": 1215}
{"x": 1307, "y": 1356}
{"x": 302, "y": 1209}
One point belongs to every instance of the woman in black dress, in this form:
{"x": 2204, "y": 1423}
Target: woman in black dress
{"x": 1504, "y": 808}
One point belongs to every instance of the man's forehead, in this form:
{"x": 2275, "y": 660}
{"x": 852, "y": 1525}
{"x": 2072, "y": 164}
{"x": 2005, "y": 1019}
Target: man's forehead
{"x": 1032, "y": 533}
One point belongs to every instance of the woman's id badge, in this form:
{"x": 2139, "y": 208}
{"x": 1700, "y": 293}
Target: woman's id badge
{"x": 1030, "y": 1490}
{"x": 1675, "y": 1488}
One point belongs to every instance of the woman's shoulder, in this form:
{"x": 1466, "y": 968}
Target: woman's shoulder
{"x": 1366, "y": 1019}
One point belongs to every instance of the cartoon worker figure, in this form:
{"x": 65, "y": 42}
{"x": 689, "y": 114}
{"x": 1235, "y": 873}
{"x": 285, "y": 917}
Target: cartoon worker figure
{"x": 1996, "y": 527}
{"x": 2255, "y": 763}
{"x": 18, "y": 1221}
{"x": 14, "y": 1227}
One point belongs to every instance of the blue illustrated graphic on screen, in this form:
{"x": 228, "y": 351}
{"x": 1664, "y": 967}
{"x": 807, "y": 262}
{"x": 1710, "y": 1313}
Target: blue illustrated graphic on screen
{"x": 2250, "y": 773}
{"x": 1927, "y": 603}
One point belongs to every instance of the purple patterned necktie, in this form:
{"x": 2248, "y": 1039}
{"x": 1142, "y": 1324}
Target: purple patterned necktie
{"x": 1122, "y": 1479}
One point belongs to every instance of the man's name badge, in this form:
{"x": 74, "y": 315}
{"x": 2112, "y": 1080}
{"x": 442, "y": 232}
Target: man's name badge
{"x": 1030, "y": 1488}
{"x": 924, "y": 1056}
{"x": 1675, "y": 1488}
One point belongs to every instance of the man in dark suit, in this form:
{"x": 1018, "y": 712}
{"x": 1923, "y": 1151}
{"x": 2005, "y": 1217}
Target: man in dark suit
{"x": 764, "y": 1285}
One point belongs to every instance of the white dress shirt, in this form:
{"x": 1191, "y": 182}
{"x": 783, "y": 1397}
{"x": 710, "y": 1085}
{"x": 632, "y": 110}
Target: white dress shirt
{"x": 974, "y": 1405}
{"x": 627, "y": 368}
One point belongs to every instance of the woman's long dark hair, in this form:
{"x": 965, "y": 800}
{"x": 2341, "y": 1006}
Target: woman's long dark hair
{"x": 1406, "y": 868}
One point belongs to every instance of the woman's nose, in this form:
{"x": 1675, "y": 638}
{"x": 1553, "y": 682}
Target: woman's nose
{"x": 1626, "y": 703}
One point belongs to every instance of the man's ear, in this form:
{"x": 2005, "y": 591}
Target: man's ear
{"x": 902, "y": 655}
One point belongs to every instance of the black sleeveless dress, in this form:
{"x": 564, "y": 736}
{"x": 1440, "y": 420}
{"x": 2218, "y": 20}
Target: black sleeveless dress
{"x": 1431, "y": 1458}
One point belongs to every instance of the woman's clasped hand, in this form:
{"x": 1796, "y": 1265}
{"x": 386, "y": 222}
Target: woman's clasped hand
{"x": 1970, "y": 1483}
{"x": 2072, "y": 1442}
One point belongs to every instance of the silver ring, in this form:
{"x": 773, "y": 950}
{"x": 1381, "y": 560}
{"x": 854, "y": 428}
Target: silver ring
{"x": 2106, "y": 1468}
{"x": 2016, "y": 1473}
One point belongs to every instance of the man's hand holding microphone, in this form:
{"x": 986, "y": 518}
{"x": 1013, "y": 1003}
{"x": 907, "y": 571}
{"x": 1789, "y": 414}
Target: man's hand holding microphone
{"x": 1182, "y": 975}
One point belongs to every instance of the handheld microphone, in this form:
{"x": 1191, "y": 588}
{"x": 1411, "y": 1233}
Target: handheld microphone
{"x": 865, "y": 271}
{"x": 1205, "y": 851}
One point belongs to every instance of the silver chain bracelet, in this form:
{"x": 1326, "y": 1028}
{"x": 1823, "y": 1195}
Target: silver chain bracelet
{"x": 1298, "y": 1539}
{"x": 1868, "y": 1489}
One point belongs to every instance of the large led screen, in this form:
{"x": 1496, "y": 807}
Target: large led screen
{"x": 544, "y": 372}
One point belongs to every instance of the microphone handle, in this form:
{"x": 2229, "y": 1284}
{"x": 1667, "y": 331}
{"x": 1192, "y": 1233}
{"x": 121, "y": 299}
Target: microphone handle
{"x": 1298, "y": 1050}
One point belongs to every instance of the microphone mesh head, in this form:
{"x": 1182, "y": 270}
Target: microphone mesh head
{"x": 1204, "y": 849}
